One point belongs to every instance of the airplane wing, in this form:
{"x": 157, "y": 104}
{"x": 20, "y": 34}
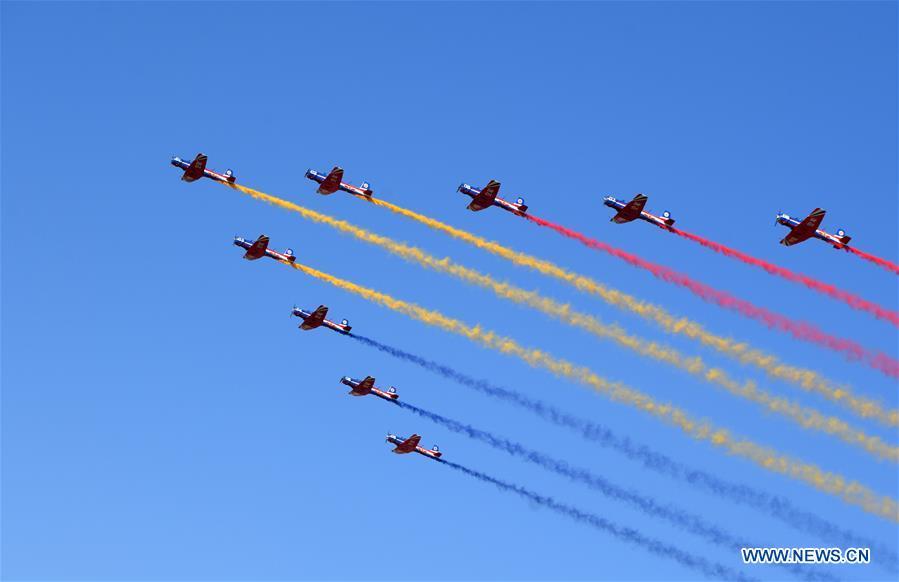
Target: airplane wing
{"x": 486, "y": 197}
{"x": 332, "y": 182}
{"x": 196, "y": 168}
{"x": 365, "y": 386}
{"x": 804, "y": 229}
{"x": 257, "y": 249}
{"x": 631, "y": 210}
{"x": 316, "y": 319}
{"x": 408, "y": 445}
{"x": 813, "y": 220}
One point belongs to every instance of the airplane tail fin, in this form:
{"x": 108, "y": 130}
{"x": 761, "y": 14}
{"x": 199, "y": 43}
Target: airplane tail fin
{"x": 290, "y": 256}
{"x": 666, "y": 217}
{"x": 843, "y": 237}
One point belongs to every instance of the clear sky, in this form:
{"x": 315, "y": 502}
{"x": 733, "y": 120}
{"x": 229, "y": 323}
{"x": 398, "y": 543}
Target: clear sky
{"x": 164, "y": 419}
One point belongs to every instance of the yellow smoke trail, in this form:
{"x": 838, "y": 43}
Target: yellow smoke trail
{"x": 807, "y": 379}
{"x": 850, "y": 491}
{"x": 804, "y": 416}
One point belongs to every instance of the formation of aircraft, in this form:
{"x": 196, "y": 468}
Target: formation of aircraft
{"x": 333, "y": 181}
{"x": 628, "y": 211}
{"x": 197, "y": 169}
{"x": 807, "y": 228}
{"x": 800, "y": 230}
{"x": 410, "y": 445}
{"x": 487, "y": 197}
{"x": 259, "y": 248}
{"x": 316, "y": 318}
{"x": 367, "y": 386}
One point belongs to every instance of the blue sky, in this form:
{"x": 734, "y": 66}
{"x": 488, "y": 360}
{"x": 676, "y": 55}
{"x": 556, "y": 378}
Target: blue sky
{"x": 164, "y": 419}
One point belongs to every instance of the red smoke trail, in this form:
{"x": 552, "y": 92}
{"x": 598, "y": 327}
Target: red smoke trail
{"x": 876, "y": 260}
{"x": 848, "y": 298}
{"x": 799, "y": 330}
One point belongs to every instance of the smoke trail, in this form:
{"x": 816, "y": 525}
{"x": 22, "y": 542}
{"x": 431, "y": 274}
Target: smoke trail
{"x": 625, "y": 534}
{"x": 799, "y": 330}
{"x": 851, "y": 492}
{"x": 850, "y": 299}
{"x": 680, "y": 518}
{"x": 777, "y": 507}
{"x": 804, "y": 416}
{"x": 804, "y": 378}
{"x": 889, "y": 266}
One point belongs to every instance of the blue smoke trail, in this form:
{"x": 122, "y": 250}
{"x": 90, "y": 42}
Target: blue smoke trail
{"x": 680, "y": 518}
{"x": 691, "y": 523}
{"x": 629, "y": 535}
{"x": 777, "y": 507}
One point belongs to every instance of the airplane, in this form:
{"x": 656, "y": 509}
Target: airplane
{"x": 486, "y": 197}
{"x": 314, "y": 319}
{"x": 334, "y": 182}
{"x": 628, "y": 211}
{"x": 409, "y": 445}
{"x": 259, "y": 248}
{"x": 808, "y": 227}
{"x": 367, "y": 386}
{"x": 197, "y": 169}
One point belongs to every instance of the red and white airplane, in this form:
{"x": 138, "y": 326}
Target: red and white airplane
{"x": 487, "y": 197}
{"x": 314, "y": 319}
{"x": 410, "y": 445}
{"x": 334, "y": 181}
{"x": 367, "y": 386}
{"x": 259, "y": 248}
{"x": 628, "y": 211}
{"x": 808, "y": 228}
{"x": 197, "y": 169}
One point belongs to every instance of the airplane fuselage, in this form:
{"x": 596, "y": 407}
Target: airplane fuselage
{"x": 514, "y": 208}
{"x": 305, "y": 315}
{"x": 618, "y": 205}
{"x": 393, "y": 439}
{"x": 353, "y": 384}
{"x": 320, "y": 178}
{"x": 791, "y": 223}
{"x": 207, "y": 173}
{"x": 247, "y": 244}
